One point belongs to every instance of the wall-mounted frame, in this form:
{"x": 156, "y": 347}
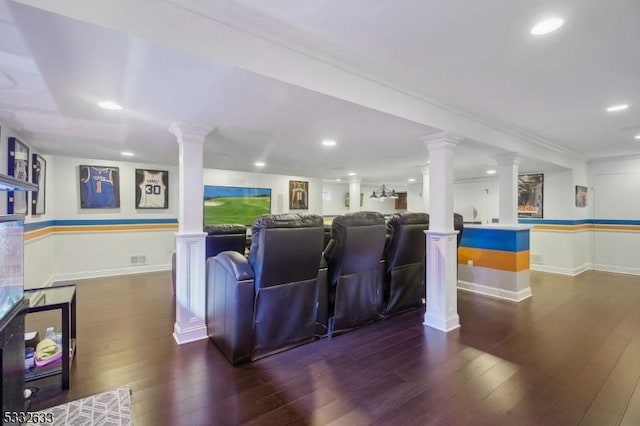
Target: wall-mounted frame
{"x": 99, "y": 187}
{"x": 581, "y": 196}
{"x": 39, "y": 177}
{"x": 347, "y": 202}
{"x": 531, "y": 195}
{"x": 298, "y": 195}
{"x": 18, "y": 167}
{"x": 152, "y": 189}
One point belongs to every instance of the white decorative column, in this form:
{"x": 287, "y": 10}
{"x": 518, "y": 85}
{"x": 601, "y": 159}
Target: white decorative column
{"x": 508, "y": 165}
{"x": 441, "y": 271}
{"x": 425, "y": 189}
{"x": 190, "y": 240}
{"x": 354, "y": 194}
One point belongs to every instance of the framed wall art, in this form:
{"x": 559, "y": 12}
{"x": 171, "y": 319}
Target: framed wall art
{"x": 530, "y": 195}
{"x": 152, "y": 189}
{"x": 581, "y": 196}
{"x": 347, "y": 201}
{"x": 99, "y": 187}
{"x": 18, "y": 167}
{"x": 38, "y": 176}
{"x": 298, "y": 195}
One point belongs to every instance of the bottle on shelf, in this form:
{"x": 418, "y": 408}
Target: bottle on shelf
{"x": 50, "y": 334}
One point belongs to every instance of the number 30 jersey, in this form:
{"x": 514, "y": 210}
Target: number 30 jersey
{"x": 153, "y": 191}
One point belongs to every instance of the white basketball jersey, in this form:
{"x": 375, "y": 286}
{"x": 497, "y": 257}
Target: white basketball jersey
{"x": 153, "y": 191}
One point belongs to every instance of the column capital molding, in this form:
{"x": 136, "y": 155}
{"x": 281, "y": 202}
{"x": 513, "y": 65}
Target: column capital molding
{"x": 189, "y": 132}
{"x": 441, "y": 140}
{"x": 508, "y": 159}
{"x": 425, "y": 169}
{"x": 355, "y": 179}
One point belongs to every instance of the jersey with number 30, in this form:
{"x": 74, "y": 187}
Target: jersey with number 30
{"x": 153, "y": 191}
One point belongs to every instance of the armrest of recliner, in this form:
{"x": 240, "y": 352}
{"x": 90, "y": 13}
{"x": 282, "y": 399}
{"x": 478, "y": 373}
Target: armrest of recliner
{"x": 236, "y": 265}
{"x": 230, "y": 299}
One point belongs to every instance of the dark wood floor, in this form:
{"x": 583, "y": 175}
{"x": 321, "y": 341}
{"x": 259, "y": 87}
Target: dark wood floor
{"x": 570, "y": 355}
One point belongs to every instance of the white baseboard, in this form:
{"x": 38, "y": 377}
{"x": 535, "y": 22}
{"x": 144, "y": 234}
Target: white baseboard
{"x": 442, "y": 324}
{"x": 561, "y": 270}
{"x": 582, "y": 268}
{"x": 189, "y": 335}
{"x": 617, "y": 269}
{"x": 70, "y": 276}
{"x": 498, "y": 293}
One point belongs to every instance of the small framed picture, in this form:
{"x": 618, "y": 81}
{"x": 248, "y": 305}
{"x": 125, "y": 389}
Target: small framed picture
{"x": 298, "y": 195}
{"x": 18, "y": 168}
{"x": 152, "y": 189}
{"x": 38, "y": 176}
{"x": 531, "y": 195}
{"x": 99, "y": 187}
{"x": 581, "y": 196}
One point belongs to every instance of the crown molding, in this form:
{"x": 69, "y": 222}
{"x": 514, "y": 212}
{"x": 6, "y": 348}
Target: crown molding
{"x": 257, "y": 24}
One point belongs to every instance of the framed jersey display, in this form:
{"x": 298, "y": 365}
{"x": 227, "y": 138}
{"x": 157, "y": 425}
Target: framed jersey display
{"x": 18, "y": 167}
{"x": 152, "y": 189}
{"x": 38, "y": 176}
{"x": 99, "y": 187}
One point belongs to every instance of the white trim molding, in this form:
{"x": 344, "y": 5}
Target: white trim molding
{"x": 497, "y": 293}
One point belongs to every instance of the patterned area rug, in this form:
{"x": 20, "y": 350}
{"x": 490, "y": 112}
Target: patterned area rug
{"x": 111, "y": 408}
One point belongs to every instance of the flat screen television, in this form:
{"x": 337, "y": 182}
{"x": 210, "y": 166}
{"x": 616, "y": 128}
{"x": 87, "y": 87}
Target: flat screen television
{"x": 233, "y": 204}
{"x": 11, "y": 262}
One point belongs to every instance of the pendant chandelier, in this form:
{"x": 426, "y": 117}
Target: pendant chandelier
{"x": 383, "y": 193}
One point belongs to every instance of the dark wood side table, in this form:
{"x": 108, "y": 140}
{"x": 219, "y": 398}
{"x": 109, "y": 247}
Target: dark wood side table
{"x": 47, "y": 299}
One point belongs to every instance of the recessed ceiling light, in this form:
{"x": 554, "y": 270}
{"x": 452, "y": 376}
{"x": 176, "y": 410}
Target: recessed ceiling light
{"x": 412, "y": 180}
{"x": 637, "y": 136}
{"x": 259, "y": 164}
{"x": 352, "y": 173}
{"x": 547, "y": 26}
{"x": 491, "y": 172}
{"x": 616, "y": 108}
{"x": 127, "y": 153}
{"x": 329, "y": 142}
{"x": 109, "y": 105}
{"x": 338, "y": 180}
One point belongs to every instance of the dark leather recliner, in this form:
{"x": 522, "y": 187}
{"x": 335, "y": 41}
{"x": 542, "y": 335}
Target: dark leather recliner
{"x": 267, "y": 302}
{"x": 225, "y": 237}
{"x": 327, "y": 235}
{"x": 222, "y": 237}
{"x": 458, "y": 225}
{"x": 354, "y": 258}
{"x": 405, "y": 262}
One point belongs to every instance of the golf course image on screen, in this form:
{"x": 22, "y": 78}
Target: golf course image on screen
{"x": 232, "y": 204}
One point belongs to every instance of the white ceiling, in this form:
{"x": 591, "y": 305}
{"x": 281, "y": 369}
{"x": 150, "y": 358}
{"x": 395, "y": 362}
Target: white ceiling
{"x": 477, "y": 59}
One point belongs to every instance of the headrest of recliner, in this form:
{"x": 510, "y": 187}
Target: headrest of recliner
{"x": 225, "y": 229}
{"x": 458, "y": 221}
{"x": 409, "y": 218}
{"x": 286, "y": 220}
{"x": 275, "y": 221}
{"x": 348, "y": 220}
{"x": 358, "y": 219}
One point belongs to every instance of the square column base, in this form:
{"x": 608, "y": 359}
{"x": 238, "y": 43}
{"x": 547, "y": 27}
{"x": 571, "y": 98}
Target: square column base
{"x": 182, "y": 336}
{"x": 190, "y": 322}
{"x": 441, "y": 280}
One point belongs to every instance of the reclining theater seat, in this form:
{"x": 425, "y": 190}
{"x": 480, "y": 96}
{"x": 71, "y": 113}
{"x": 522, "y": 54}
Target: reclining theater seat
{"x": 223, "y": 237}
{"x": 354, "y": 257}
{"x": 405, "y": 261}
{"x": 268, "y": 302}
{"x": 458, "y": 225}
